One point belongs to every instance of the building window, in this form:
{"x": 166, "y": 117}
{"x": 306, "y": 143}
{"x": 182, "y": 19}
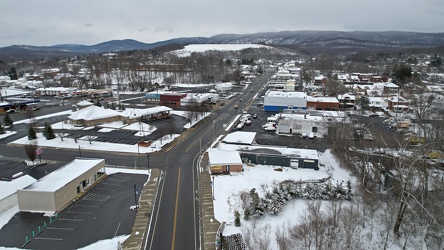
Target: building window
{"x": 314, "y": 129}
{"x": 78, "y": 189}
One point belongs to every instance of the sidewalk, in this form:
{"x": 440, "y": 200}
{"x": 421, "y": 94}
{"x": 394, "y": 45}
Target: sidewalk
{"x": 210, "y": 225}
{"x": 146, "y": 200}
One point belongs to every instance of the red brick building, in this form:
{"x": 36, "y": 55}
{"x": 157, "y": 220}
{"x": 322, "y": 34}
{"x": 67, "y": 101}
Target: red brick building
{"x": 171, "y": 99}
{"x": 322, "y": 103}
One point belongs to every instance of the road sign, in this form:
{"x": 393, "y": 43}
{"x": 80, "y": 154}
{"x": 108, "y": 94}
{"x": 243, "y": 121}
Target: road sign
{"x": 39, "y": 151}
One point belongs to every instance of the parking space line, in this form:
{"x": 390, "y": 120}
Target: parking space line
{"x": 69, "y": 219}
{"x": 74, "y": 212}
{"x": 60, "y": 228}
{"x": 77, "y": 205}
{"x": 39, "y": 238}
{"x": 107, "y": 189}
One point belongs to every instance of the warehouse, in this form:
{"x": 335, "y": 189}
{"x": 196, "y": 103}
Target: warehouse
{"x": 56, "y": 190}
{"x": 279, "y": 100}
{"x": 275, "y": 155}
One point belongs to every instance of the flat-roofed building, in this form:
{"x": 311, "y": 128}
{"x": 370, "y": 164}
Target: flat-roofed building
{"x": 279, "y": 100}
{"x": 58, "y": 189}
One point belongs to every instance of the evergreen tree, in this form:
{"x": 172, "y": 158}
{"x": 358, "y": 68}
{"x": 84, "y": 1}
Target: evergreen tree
{"x": 237, "y": 221}
{"x": 32, "y": 135}
{"x": 7, "y": 120}
{"x": 247, "y": 214}
{"x": 49, "y": 132}
{"x": 113, "y": 106}
{"x": 2, "y": 129}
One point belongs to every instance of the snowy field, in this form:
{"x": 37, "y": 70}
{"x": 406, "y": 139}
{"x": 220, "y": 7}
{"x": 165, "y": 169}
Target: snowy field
{"x": 219, "y": 47}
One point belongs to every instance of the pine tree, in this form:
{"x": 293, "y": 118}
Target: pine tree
{"x": 247, "y": 214}
{"x": 49, "y": 132}
{"x": 113, "y": 106}
{"x": 2, "y": 129}
{"x": 32, "y": 135}
{"x": 237, "y": 221}
{"x": 7, "y": 120}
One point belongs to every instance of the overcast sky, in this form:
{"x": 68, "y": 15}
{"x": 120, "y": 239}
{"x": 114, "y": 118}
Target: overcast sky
{"x": 49, "y": 22}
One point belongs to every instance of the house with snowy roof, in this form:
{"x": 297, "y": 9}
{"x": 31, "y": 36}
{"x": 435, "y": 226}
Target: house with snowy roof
{"x": 93, "y": 115}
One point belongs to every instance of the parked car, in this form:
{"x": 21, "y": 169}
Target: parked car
{"x": 304, "y": 135}
{"x": 248, "y": 122}
{"x": 311, "y": 135}
{"x": 235, "y": 107}
{"x": 269, "y": 128}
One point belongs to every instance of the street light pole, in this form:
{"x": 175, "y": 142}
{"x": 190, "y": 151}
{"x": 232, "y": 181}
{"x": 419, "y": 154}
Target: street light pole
{"x": 80, "y": 152}
{"x": 135, "y": 195}
{"x": 214, "y": 186}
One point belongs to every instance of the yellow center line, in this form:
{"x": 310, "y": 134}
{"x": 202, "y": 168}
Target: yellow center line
{"x": 175, "y": 212}
{"x": 199, "y": 139}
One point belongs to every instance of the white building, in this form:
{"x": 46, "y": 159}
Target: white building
{"x": 278, "y": 100}
{"x": 316, "y": 122}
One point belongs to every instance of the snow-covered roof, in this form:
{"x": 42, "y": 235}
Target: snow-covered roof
{"x": 136, "y": 113}
{"x": 222, "y": 157}
{"x": 287, "y": 94}
{"x": 84, "y": 103}
{"x": 240, "y": 137}
{"x": 93, "y": 113}
{"x": 322, "y": 99}
{"x": 10, "y": 187}
{"x": 290, "y": 152}
{"x": 60, "y": 177}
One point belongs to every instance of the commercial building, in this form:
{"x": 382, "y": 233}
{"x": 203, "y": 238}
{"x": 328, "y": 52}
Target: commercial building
{"x": 224, "y": 161}
{"x": 56, "y": 190}
{"x": 279, "y": 100}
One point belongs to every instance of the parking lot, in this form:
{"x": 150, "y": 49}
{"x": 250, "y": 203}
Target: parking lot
{"x": 102, "y": 213}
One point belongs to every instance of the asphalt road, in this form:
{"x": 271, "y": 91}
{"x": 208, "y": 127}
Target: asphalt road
{"x": 175, "y": 223}
{"x": 176, "y": 216}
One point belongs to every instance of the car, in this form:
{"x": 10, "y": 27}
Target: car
{"x": 10, "y": 111}
{"x": 222, "y": 103}
{"x": 235, "y": 107}
{"x": 311, "y": 135}
{"x": 248, "y": 122}
{"x": 241, "y": 100}
{"x": 304, "y": 135}
{"x": 246, "y": 116}
{"x": 240, "y": 126}
{"x": 269, "y": 128}
{"x": 254, "y": 116}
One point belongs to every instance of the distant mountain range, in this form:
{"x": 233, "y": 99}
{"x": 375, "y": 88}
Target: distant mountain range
{"x": 305, "y": 40}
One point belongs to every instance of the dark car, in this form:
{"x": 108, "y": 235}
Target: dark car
{"x": 254, "y": 116}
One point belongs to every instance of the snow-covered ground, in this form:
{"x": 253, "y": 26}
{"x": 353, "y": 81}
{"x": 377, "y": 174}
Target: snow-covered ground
{"x": 228, "y": 189}
{"x": 219, "y": 47}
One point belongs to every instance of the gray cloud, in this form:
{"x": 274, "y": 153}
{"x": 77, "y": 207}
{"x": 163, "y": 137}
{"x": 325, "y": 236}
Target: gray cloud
{"x": 48, "y": 22}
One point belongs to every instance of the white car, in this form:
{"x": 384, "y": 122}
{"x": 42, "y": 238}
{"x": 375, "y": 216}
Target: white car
{"x": 269, "y": 128}
{"x": 304, "y": 135}
{"x": 311, "y": 135}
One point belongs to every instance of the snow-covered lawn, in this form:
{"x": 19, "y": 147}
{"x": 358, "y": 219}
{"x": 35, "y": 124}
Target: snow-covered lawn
{"x": 228, "y": 189}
